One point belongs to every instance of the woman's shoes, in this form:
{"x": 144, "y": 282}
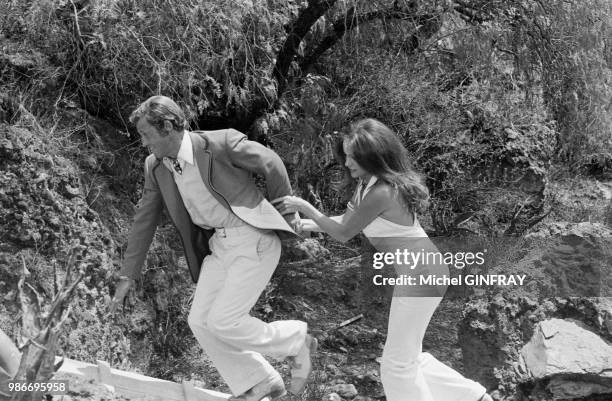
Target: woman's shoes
{"x": 301, "y": 367}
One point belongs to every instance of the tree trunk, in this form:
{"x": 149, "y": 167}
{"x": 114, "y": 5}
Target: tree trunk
{"x": 305, "y": 20}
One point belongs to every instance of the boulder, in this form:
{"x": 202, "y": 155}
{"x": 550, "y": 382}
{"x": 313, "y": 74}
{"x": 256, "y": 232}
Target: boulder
{"x": 332, "y": 397}
{"x": 575, "y": 362}
{"x": 345, "y": 390}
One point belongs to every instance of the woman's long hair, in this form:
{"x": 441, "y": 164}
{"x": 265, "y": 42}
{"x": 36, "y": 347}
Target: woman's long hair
{"x": 380, "y": 152}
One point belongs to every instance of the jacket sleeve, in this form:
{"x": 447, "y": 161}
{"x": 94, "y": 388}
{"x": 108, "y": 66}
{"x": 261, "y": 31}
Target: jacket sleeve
{"x": 256, "y": 158}
{"x": 146, "y": 219}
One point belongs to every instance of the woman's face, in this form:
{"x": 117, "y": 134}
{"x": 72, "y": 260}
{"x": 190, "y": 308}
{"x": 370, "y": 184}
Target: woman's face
{"x": 356, "y": 170}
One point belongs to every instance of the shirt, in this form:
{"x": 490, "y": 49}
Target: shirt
{"x": 203, "y": 208}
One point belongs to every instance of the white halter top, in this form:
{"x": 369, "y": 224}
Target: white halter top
{"x": 381, "y": 227}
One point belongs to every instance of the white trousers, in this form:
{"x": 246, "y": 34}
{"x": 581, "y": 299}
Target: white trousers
{"x": 407, "y": 373}
{"x": 231, "y": 280}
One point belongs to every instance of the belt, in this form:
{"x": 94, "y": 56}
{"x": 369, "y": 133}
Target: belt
{"x": 224, "y": 231}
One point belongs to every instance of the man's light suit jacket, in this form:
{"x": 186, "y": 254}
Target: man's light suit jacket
{"x": 226, "y": 160}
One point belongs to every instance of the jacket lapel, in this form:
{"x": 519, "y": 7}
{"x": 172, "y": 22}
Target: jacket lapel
{"x": 203, "y": 157}
{"x": 168, "y": 189}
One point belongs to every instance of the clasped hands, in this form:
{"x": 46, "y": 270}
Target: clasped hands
{"x": 291, "y": 205}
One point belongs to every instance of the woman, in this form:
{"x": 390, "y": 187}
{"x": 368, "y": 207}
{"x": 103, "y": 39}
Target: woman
{"x": 384, "y": 207}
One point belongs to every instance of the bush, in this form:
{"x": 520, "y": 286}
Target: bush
{"x": 214, "y": 57}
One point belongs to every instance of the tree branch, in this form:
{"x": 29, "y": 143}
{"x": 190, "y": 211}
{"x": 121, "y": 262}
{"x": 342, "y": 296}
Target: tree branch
{"x": 470, "y": 13}
{"x": 345, "y": 23}
{"x": 305, "y": 20}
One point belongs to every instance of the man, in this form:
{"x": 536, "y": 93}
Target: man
{"x": 229, "y": 235}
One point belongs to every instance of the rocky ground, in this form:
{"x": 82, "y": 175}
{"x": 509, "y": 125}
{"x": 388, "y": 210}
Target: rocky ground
{"x": 517, "y": 343}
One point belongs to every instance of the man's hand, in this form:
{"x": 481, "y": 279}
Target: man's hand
{"x": 123, "y": 287}
{"x": 294, "y": 221}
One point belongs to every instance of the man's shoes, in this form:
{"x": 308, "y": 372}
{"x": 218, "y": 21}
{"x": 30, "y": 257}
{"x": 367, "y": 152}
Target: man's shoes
{"x": 272, "y": 387}
{"x": 301, "y": 366}
{"x": 485, "y": 397}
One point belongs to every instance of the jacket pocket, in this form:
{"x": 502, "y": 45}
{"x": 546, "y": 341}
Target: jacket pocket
{"x": 265, "y": 243}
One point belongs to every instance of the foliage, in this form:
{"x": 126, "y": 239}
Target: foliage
{"x": 486, "y": 102}
{"x": 307, "y": 139}
{"x": 212, "y": 56}
{"x": 465, "y": 121}
{"x": 563, "y": 49}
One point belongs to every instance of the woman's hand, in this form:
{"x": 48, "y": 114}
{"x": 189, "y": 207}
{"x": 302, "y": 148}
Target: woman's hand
{"x": 291, "y": 204}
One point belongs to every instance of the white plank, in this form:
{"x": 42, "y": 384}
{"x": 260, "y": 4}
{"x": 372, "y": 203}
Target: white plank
{"x": 132, "y": 384}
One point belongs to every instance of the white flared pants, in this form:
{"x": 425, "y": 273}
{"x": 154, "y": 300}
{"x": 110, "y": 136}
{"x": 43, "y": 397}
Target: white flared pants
{"x": 407, "y": 373}
{"x": 231, "y": 280}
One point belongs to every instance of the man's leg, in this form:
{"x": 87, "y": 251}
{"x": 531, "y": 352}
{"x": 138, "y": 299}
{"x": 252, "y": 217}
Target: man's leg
{"x": 235, "y": 275}
{"x": 232, "y": 363}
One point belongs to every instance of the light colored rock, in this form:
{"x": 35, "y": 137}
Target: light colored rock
{"x": 372, "y": 377}
{"x": 332, "y": 397}
{"x": 577, "y": 362}
{"x": 604, "y": 309}
{"x": 345, "y": 390}
{"x": 333, "y": 369}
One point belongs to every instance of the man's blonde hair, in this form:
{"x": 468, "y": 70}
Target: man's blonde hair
{"x": 158, "y": 109}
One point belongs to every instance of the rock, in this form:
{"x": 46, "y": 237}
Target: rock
{"x": 563, "y": 228}
{"x": 308, "y": 249}
{"x": 605, "y": 314}
{"x": 370, "y": 377}
{"x": 345, "y": 390}
{"x": 332, "y": 397}
{"x": 333, "y": 369}
{"x": 511, "y": 134}
{"x": 71, "y": 192}
{"x": 575, "y": 362}
{"x": 494, "y": 331}
{"x": 350, "y": 371}
{"x": 142, "y": 318}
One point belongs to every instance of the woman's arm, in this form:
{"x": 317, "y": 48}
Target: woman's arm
{"x": 376, "y": 202}
{"x": 310, "y": 225}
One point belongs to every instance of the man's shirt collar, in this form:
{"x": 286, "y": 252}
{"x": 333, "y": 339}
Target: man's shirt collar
{"x": 185, "y": 152}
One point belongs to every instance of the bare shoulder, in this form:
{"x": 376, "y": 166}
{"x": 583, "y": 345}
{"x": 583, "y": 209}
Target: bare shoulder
{"x": 382, "y": 192}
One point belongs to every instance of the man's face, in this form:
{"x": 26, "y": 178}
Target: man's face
{"x": 160, "y": 146}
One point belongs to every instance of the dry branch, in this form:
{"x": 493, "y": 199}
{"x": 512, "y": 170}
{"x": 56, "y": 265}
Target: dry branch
{"x": 41, "y": 330}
